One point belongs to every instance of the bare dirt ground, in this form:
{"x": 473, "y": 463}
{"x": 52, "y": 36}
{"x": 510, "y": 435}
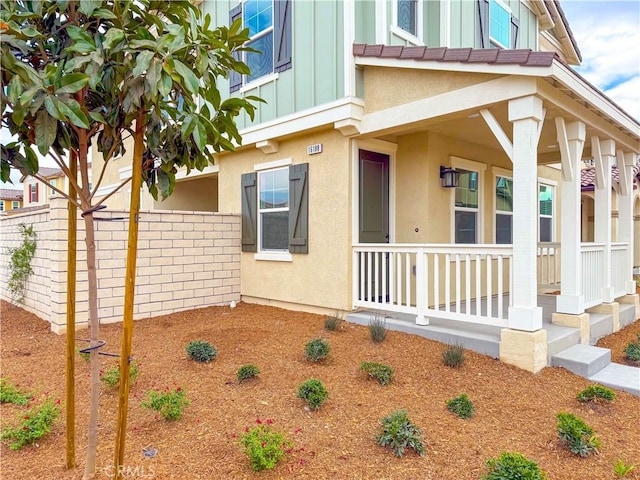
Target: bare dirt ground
{"x": 515, "y": 410}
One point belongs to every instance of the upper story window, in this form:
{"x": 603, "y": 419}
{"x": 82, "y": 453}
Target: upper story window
{"x": 269, "y": 24}
{"x": 1, "y": 205}
{"x": 33, "y": 192}
{"x": 497, "y": 26}
{"x": 407, "y": 15}
{"x": 546, "y": 195}
{"x": 15, "y": 204}
{"x": 504, "y": 210}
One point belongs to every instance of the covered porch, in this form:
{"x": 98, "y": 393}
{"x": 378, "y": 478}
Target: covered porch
{"x": 476, "y": 254}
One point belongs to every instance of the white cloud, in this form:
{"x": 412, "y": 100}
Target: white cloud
{"x": 608, "y": 37}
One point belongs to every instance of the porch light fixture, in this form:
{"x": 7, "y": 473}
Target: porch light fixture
{"x": 448, "y": 177}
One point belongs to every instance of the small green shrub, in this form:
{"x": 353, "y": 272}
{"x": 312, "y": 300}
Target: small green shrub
{"x": 247, "y": 371}
{"x": 36, "y": 423}
{"x": 513, "y": 466}
{"x": 577, "y": 435}
{"x": 379, "y": 371}
{"x": 316, "y": 350}
{"x": 378, "y": 328}
{"x": 594, "y": 393}
{"x": 461, "y": 406}
{"x": 20, "y": 262}
{"x": 10, "y": 394}
{"x": 201, "y": 351}
{"x": 632, "y": 351}
{"x": 621, "y": 469}
{"x": 112, "y": 376}
{"x": 314, "y": 392}
{"x": 398, "y": 433}
{"x": 264, "y": 446}
{"x": 83, "y": 355}
{"x": 170, "y": 403}
{"x": 453, "y": 355}
{"x": 332, "y": 323}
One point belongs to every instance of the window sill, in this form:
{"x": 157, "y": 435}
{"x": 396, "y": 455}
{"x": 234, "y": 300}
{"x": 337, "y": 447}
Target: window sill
{"x": 259, "y": 82}
{"x": 274, "y": 256}
{"x": 412, "y": 39}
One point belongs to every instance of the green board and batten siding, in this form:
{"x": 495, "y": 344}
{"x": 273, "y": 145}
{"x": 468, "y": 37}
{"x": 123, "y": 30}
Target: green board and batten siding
{"x": 318, "y": 60}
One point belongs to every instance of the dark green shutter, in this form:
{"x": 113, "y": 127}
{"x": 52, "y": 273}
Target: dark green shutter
{"x": 282, "y": 37}
{"x": 299, "y": 208}
{"x": 249, "y": 213}
{"x": 515, "y": 27}
{"x": 482, "y": 31}
{"x": 235, "y": 79}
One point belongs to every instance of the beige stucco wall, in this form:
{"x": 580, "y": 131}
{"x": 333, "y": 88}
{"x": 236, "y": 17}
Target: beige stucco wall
{"x": 197, "y": 194}
{"x": 322, "y": 277}
{"x": 378, "y": 83}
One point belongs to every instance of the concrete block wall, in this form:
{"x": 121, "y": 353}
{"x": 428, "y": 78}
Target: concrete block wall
{"x": 185, "y": 260}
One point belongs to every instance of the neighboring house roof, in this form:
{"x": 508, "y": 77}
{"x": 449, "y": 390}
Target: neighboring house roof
{"x": 588, "y": 176}
{"x": 10, "y": 194}
{"x": 47, "y": 172}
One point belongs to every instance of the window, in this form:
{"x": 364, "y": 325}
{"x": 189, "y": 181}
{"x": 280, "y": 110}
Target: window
{"x": 466, "y": 207}
{"x": 545, "y": 203}
{"x": 407, "y": 16}
{"x": 275, "y": 209}
{"x": 33, "y": 192}
{"x": 504, "y": 210}
{"x": 15, "y": 204}
{"x": 496, "y": 26}
{"x": 499, "y": 24}
{"x": 1, "y": 205}
{"x": 269, "y": 24}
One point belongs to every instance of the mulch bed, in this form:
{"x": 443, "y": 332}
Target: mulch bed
{"x": 515, "y": 410}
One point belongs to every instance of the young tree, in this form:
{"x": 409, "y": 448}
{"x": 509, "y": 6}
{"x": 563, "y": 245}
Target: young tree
{"x": 77, "y": 73}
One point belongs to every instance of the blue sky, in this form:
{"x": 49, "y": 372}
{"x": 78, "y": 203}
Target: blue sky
{"x": 608, "y": 36}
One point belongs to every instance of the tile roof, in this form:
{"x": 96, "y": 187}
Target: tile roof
{"x": 10, "y": 194}
{"x": 523, "y": 57}
{"x": 588, "y": 176}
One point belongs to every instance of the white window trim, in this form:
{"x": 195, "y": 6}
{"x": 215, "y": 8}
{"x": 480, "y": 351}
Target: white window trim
{"x": 553, "y": 184}
{"x": 491, "y": 38}
{"x": 462, "y": 163}
{"x": 273, "y": 256}
{"x": 258, "y": 82}
{"x": 270, "y": 77}
{"x": 403, "y": 34}
{"x": 499, "y": 172}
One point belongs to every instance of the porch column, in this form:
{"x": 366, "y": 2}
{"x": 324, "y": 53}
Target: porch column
{"x": 571, "y": 138}
{"x": 525, "y": 114}
{"x": 625, "y": 162}
{"x": 603, "y": 154}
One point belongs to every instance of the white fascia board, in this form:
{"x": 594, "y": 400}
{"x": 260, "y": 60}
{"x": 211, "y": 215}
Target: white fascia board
{"x": 473, "y": 97}
{"x": 327, "y": 114}
{"x": 595, "y": 97}
{"x": 480, "y": 67}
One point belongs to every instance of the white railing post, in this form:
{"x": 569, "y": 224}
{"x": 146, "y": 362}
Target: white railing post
{"x": 625, "y": 162}
{"x": 421, "y": 319}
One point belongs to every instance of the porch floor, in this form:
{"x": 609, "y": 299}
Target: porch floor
{"x": 485, "y": 339}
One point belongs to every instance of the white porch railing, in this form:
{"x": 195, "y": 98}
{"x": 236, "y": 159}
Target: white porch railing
{"x": 592, "y": 273}
{"x": 468, "y": 283}
{"x": 619, "y": 268}
{"x": 549, "y": 265}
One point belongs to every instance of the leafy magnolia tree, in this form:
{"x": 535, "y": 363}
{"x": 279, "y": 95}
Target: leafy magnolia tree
{"x": 83, "y": 73}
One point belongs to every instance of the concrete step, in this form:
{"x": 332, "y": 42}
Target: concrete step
{"x": 560, "y": 338}
{"x": 620, "y": 377}
{"x": 483, "y": 339}
{"x": 601, "y": 326}
{"x": 583, "y": 360}
{"x": 627, "y": 314}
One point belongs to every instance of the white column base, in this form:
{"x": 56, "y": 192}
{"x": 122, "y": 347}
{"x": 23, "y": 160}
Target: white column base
{"x": 630, "y": 287}
{"x": 573, "y": 304}
{"x": 422, "y": 320}
{"x": 607, "y": 294}
{"x": 528, "y": 319}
